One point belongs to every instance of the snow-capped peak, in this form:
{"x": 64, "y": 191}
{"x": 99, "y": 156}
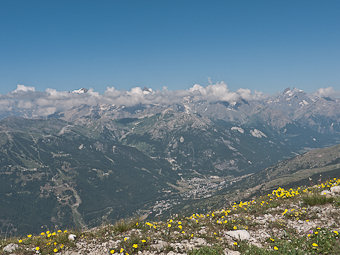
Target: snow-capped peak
{"x": 80, "y": 91}
{"x": 290, "y": 92}
{"x": 147, "y": 91}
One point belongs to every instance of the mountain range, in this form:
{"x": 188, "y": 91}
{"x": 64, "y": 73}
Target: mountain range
{"x": 99, "y": 162}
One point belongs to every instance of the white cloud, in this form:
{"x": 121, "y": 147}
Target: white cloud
{"x": 215, "y": 92}
{"x": 46, "y": 111}
{"x": 23, "y": 88}
{"x": 327, "y": 92}
{"x": 220, "y": 92}
{"x": 25, "y": 104}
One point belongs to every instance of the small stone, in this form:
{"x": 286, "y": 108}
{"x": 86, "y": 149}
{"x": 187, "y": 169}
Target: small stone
{"x": 10, "y": 247}
{"x": 202, "y": 231}
{"x": 199, "y": 241}
{"x": 335, "y": 189}
{"x": 72, "y": 237}
{"x": 159, "y": 245}
{"x": 231, "y": 252}
{"x": 72, "y": 253}
{"x": 239, "y": 234}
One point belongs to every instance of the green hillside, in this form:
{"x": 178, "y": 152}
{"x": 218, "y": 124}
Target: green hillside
{"x": 302, "y": 220}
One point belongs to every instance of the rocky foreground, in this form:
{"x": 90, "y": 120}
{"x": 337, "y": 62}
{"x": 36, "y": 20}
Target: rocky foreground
{"x": 304, "y": 220}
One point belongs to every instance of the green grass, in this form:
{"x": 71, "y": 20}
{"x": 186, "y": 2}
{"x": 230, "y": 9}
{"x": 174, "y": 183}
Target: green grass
{"x": 207, "y": 250}
{"x": 123, "y": 226}
{"x": 317, "y": 199}
{"x": 337, "y": 201}
{"x": 321, "y": 241}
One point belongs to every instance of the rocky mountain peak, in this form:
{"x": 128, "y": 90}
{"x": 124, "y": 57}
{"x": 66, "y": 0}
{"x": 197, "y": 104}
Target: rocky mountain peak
{"x": 80, "y": 91}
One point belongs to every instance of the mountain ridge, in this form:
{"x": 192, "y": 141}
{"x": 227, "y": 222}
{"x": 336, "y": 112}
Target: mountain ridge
{"x": 174, "y": 153}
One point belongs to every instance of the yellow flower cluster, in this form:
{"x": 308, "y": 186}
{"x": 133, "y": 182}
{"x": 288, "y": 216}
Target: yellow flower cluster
{"x": 282, "y": 193}
{"x": 48, "y": 241}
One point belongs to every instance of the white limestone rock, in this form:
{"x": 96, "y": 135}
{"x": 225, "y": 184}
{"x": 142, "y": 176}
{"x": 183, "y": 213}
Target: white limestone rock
{"x": 231, "y": 252}
{"x": 335, "y": 189}
{"x": 159, "y": 245}
{"x": 202, "y": 231}
{"x": 239, "y": 234}
{"x": 199, "y": 241}
{"x": 72, "y": 253}
{"x": 72, "y": 237}
{"x": 10, "y": 247}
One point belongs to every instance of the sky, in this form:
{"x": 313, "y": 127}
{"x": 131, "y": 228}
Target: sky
{"x": 259, "y": 45}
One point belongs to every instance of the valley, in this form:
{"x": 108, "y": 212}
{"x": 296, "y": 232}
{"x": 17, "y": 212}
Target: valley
{"x": 91, "y": 164}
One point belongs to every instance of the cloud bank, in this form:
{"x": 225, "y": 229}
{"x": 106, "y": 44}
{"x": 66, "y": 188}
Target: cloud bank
{"x": 27, "y": 100}
{"x": 50, "y": 101}
{"x": 327, "y": 92}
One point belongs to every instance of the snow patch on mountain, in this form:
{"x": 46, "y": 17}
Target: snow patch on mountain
{"x": 257, "y": 133}
{"x": 303, "y": 103}
{"x": 241, "y": 130}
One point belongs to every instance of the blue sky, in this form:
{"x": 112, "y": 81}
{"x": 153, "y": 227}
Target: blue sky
{"x": 260, "y": 45}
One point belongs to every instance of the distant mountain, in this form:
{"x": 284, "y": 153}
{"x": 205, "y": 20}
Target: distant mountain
{"x": 310, "y": 168}
{"x": 90, "y": 163}
{"x": 52, "y": 174}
